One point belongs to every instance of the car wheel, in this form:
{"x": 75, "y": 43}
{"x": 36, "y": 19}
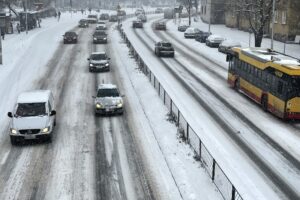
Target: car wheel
{"x": 49, "y": 138}
{"x": 13, "y": 140}
{"x": 173, "y": 55}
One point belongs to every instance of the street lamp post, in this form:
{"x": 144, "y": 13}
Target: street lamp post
{"x": 273, "y": 20}
{"x": 26, "y": 16}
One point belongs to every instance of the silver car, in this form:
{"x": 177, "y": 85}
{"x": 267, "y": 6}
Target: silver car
{"x": 108, "y": 100}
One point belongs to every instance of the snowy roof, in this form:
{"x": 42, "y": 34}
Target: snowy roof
{"x": 267, "y": 55}
{"x": 106, "y": 86}
{"x": 98, "y": 52}
{"x": 34, "y": 96}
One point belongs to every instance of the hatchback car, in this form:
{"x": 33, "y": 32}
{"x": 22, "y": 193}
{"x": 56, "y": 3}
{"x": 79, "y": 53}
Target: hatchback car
{"x": 104, "y": 16}
{"x": 99, "y": 62}
{"x": 202, "y": 36}
{"x": 137, "y": 24}
{"x": 83, "y": 23}
{"x": 164, "y": 49}
{"x": 108, "y": 100}
{"x": 70, "y": 37}
{"x": 160, "y": 26}
{"x": 191, "y": 32}
{"x": 214, "y": 40}
{"x": 182, "y": 28}
{"x": 33, "y": 116}
{"x": 99, "y": 36}
{"x": 226, "y": 46}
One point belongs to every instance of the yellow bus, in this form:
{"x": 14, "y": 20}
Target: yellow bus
{"x": 270, "y": 78}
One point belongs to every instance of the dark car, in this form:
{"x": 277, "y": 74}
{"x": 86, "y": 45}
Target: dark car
{"x": 160, "y": 26}
{"x": 137, "y": 24}
{"x": 108, "y": 100}
{"x": 183, "y": 28}
{"x": 164, "y": 49}
{"x": 70, "y": 37}
{"x": 92, "y": 20}
{"x": 93, "y": 16}
{"x": 202, "y": 36}
{"x": 104, "y": 16}
{"x": 99, "y": 37}
{"x": 83, "y": 23}
{"x": 99, "y": 62}
{"x": 113, "y": 18}
{"x": 159, "y": 10}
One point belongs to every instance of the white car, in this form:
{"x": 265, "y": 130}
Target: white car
{"x": 191, "y": 32}
{"x": 108, "y": 100}
{"x": 226, "y": 45}
{"x": 101, "y": 23}
{"x": 214, "y": 40}
{"x": 33, "y": 116}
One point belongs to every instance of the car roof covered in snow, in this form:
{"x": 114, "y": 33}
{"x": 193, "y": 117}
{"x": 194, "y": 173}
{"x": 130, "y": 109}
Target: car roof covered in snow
{"x": 35, "y": 96}
{"x": 107, "y": 86}
{"x": 98, "y": 52}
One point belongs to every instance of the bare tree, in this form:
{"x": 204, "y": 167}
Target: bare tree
{"x": 188, "y": 4}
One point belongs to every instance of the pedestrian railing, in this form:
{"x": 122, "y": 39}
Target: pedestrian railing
{"x": 219, "y": 178}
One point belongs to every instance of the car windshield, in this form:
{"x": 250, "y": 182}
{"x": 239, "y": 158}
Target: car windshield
{"x": 98, "y": 57}
{"x": 31, "y": 109}
{"x": 99, "y": 33}
{"x": 109, "y": 92}
{"x": 166, "y": 44}
{"x": 70, "y": 34}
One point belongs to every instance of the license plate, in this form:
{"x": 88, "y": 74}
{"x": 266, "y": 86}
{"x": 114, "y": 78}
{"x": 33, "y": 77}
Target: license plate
{"x": 29, "y": 137}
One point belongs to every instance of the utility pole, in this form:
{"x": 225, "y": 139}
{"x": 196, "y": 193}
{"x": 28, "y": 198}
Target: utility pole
{"x": 273, "y": 21}
{"x": 26, "y": 17}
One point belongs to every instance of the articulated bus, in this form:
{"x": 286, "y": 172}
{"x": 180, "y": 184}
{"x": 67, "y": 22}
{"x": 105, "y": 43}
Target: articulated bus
{"x": 270, "y": 78}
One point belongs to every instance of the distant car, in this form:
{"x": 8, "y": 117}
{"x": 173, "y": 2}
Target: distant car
{"x": 202, "y": 36}
{"x": 159, "y": 10}
{"x": 191, "y": 32}
{"x": 83, "y": 23}
{"x": 113, "y": 18}
{"x": 160, "y": 26}
{"x": 104, "y": 16}
{"x": 108, "y": 100}
{"x": 99, "y": 37}
{"x": 92, "y": 20}
{"x": 93, "y": 16}
{"x": 99, "y": 62}
{"x": 226, "y": 46}
{"x": 122, "y": 13}
{"x": 100, "y": 27}
{"x": 214, "y": 40}
{"x": 142, "y": 17}
{"x": 164, "y": 49}
{"x": 139, "y": 11}
{"x": 102, "y": 23}
{"x": 137, "y": 24}
{"x": 183, "y": 28}
{"x": 70, "y": 37}
{"x": 33, "y": 116}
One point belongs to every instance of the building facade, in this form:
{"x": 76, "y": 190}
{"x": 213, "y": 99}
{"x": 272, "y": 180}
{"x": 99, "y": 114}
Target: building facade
{"x": 212, "y": 11}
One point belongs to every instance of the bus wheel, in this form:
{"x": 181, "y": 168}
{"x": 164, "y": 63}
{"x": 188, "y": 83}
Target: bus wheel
{"x": 264, "y": 102}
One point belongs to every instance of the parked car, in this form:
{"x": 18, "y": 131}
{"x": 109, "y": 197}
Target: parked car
{"x": 33, "y": 116}
{"x": 108, "y": 100}
{"x": 191, "y": 32}
{"x": 99, "y": 61}
{"x": 164, "y": 49}
{"x": 182, "y": 28}
{"x": 137, "y": 24}
{"x": 113, "y": 18}
{"x": 160, "y": 26}
{"x": 214, "y": 40}
{"x": 142, "y": 17}
{"x": 226, "y": 46}
{"x": 159, "y": 10}
{"x": 99, "y": 36}
{"x": 202, "y": 36}
{"x": 104, "y": 16}
{"x": 83, "y": 23}
{"x": 70, "y": 37}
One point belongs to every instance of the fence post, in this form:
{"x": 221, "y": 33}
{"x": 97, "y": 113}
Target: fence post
{"x": 233, "y": 193}
{"x": 164, "y": 97}
{"x": 213, "y": 170}
{"x": 171, "y": 103}
{"x": 150, "y": 76}
{"x": 200, "y": 148}
{"x": 154, "y": 81}
{"x": 178, "y": 114}
{"x": 187, "y": 132}
{"x": 159, "y": 89}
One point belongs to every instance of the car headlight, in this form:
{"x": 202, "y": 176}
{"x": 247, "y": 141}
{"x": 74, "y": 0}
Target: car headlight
{"x": 45, "y": 130}
{"x": 104, "y": 38}
{"x": 98, "y": 105}
{"x": 91, "y": 65}
{"x": 13, "y": 131}
{"x": 107, "y": 64}
{"x": 119, "y": 104}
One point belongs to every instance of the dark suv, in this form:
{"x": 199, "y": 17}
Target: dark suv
{"x": 113, "y": 18}
{"x": 70, "y": 37}
{"x": 137, "y": 24}
{"x": 104, "y": 16}
{"x": 160, "y": 26}
{"x": 164, "y": 49}
{"x": 83, "y": 23}
{"x": 99, "y": 37}
{"x": 98, "y": 61}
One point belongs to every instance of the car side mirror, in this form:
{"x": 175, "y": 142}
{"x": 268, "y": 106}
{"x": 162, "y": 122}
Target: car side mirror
{"x": 53, "y": 112}
{"x": 9, "y": 114}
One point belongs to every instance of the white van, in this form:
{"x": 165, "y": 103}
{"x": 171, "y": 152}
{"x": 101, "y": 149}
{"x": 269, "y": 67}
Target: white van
{"x": 33, "y": 116}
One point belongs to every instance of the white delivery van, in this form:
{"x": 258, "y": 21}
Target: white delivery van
{"x": 33, "y": 116}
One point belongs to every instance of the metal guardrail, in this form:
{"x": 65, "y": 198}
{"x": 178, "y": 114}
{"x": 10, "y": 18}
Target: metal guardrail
{"x": 217, "y": 175}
